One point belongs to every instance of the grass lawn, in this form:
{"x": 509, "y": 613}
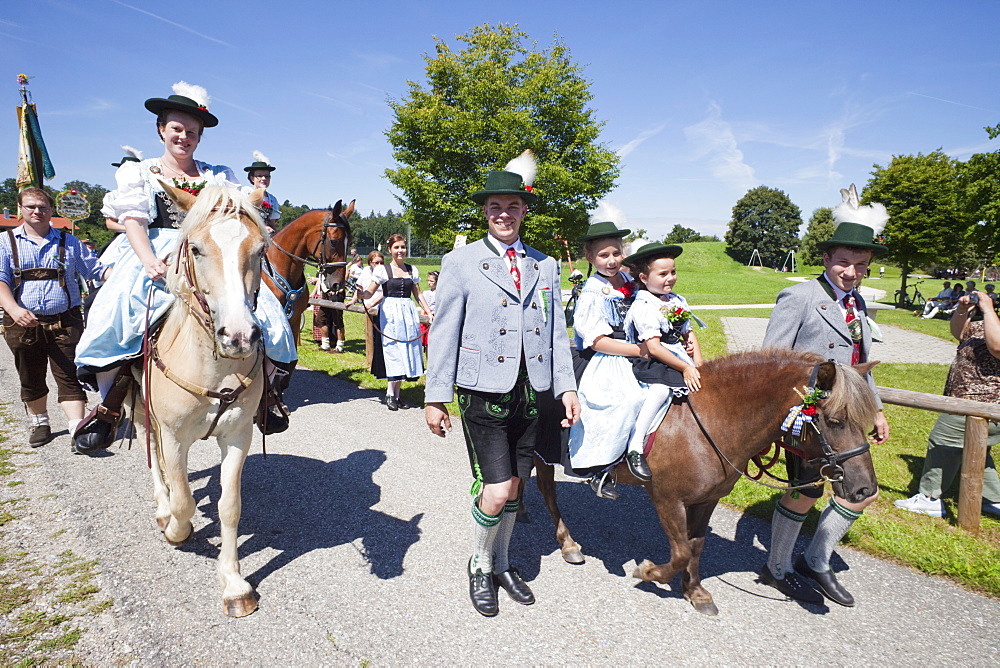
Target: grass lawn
{"x": 708, "y": 276}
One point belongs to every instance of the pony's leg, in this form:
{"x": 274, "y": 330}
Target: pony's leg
{"x": 673, "y": 518}
{"x": 545, "y": 477}
{"x": 174, "y": 460}
{"x": 238, "y": 597}
{"x": 161, "y": 493}
{"x": 698, "y": 517}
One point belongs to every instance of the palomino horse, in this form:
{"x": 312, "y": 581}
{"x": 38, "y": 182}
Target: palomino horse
{"x": 203, "y": 372}
{"x": 705, "y": 442}
{"x": 320, "y": 237}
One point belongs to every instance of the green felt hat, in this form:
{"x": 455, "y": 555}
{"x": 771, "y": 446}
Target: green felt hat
{"x": 853, "y": 235}
{"x": 258, "y": 164}
{"x": 499, "y": 182}
{"x": 653, "y": 249}
{"x": 605, "y": 230}
{"x": 185, "y": 104}
{"x": 127, "y": 158}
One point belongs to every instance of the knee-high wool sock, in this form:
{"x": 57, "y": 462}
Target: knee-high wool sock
{"x": 655, "y": 396}
{"x": 507, "y": 519}
{"x": 833, "y": 524}
{"x": 785, "y": 527}
{"x": 484, "y": 533}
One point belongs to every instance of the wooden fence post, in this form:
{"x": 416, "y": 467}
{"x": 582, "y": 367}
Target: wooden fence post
{"x": 970, "y": 492}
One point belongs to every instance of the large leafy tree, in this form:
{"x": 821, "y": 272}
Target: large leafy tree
{"x": 481, "y": 106}
{"x": 764, "y": 219}
{"x": 925, "y": 226}
{"x": 820, "y": 228}
{"x": 979, "y": 198}
{"x": 679, "y": 234}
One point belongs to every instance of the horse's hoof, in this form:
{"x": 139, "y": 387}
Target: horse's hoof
{"x": 642, "y": 570}
{"x": 181, "y": 536}
{"x": 240, "y": 606}
{"x": 574, "y": 556}
{"x": 705, "y": 608}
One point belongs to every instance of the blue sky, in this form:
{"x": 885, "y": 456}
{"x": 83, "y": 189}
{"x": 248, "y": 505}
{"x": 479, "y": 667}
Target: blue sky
{"x": 703, "y": 100}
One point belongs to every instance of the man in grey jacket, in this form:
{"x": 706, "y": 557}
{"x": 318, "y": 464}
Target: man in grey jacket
{"x": 826, "y": 316}
{"x": 500, "y": 337}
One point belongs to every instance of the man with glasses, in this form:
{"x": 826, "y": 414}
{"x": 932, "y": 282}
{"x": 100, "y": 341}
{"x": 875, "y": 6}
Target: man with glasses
{"x": 40, "y": 295}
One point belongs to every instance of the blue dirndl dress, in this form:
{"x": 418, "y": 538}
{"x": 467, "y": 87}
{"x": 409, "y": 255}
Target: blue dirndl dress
{"x": 610, "y": 397}
{"x": 117, "y": 317}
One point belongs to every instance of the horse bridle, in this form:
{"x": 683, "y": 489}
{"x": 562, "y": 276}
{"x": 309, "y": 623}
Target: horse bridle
{"x": 292, "y": 294}
{"x": 830, "y": 469}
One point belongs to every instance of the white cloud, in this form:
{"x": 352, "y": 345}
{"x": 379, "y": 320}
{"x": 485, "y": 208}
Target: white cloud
{"x": 639, "y": 139}
{"x": 713, "y": 139}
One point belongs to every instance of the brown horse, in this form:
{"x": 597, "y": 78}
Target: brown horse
{"x": 321, "y": 238}
{"x": 743, "y": 401}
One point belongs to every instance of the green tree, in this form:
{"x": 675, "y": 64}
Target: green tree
{"x": 820, "y": 228}
{"x": 925, "y": 225}
{"x": 979, "y": 198}
{"x": 290, "y": 212}
{"x": 637, "y": 234}
{"x": 481, "y": 106}
{"x": 683, "y": 235}
{"x": 764, "y": 219}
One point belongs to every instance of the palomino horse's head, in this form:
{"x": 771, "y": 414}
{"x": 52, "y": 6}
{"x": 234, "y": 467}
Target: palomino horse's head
{"x": 331, "y": 242}
{"x": 842, "y": 421}
{"x": 216, "y": 266}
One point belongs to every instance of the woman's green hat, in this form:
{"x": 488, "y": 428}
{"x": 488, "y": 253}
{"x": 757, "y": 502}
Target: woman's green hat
{"x": 260, "y": 161}
{"x": 604, "y": 230}
{"x": 515, "y": 179}
{"x": 187, "y": 98}
{"x": 653, "y": 249}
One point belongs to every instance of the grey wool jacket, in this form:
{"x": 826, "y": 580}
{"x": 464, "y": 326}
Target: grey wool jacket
{"x": 483, "y": 327}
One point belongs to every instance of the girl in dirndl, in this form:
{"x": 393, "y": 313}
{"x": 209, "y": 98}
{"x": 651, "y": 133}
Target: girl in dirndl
{"x": 660, "y": 318}
{"x": 609, "y": 394}
{"x": 398, "y": 319}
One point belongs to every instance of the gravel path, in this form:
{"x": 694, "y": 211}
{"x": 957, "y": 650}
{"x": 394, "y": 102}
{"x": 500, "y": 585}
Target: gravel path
{"x": 355, "y": 533}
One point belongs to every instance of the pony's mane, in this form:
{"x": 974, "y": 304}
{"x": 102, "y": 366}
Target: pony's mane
{"x": 219, "y": 197}
{"x": 851, "y": 398}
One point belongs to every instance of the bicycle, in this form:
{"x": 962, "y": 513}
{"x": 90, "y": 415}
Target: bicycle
{"x": 904, "y": 300}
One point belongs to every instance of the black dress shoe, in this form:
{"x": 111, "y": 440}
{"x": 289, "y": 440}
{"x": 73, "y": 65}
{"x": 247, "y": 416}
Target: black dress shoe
{"x": 392, "y": 403}
{"x": 483, "y": 593}
{"x": 792, "y": 586}
{"x": 95, "y": 436}
{"x": 274, "y": 422}
{"x": 402, "y": 404}
{"x": 638, "y": 467}
{"x": 40, "y": 435}
{"x": 517, "y": 588}
{"x": 605, "y": 485}
{"x": 827, "y": 582}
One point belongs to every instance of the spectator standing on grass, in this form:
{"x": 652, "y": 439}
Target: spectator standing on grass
{"x": 975, "y": 374}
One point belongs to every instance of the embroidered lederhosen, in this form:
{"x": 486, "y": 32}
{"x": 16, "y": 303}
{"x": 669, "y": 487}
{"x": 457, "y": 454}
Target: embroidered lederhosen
{"x": 39, "y": 273}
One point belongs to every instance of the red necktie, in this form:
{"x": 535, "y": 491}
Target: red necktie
{"x": 854, "y": 327}
{"x": 515, "y": 273}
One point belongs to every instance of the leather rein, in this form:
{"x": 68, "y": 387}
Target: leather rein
{"x": 830, "y": 469}
{"x": 292, "y": 294}
{"x": 194, "y": 299}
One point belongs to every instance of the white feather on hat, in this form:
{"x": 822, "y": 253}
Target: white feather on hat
{"x": 873, "y": 215}
{"x": 608, "y": 212}
{"x": 134, "y": 152}
{"x": 196, "y": 93}
{"x": 632, "y": 247}
{"x": 525, "y": 166}
{"x": 260, "y": 157}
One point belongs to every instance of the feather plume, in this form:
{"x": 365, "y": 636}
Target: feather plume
{"x": 134, "y": 152}
{"x": 196, "y": 93}
{"x": 524, "y": 165}
{"x": 873, "y": 215}
{"x": 631, "y": 247}
{"x": 260, "y": 157}
{"x": 606, "y": 211}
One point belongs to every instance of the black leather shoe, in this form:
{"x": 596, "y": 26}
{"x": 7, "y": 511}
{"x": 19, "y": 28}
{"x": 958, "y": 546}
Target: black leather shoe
{"x": 402, "y": 404}
{"x": 515, "y": 587}
{"x": 605, "y": 485}
{"x": 483, "y": 593}
{"x": 274, "y": 422}
{"x": 40, "y": 435}
{"x": 792, "y": 586}
{"x": 392, "y": 403}
{"x": 827, "y": 582}
{"x": 95, "y": 436}
{"x": 638, "y": 467}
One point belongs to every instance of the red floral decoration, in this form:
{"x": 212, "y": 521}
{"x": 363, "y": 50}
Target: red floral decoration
{"x": 265, "y": 204}
{"x": 529, "y": 189}
{"x": 628, "y": 289}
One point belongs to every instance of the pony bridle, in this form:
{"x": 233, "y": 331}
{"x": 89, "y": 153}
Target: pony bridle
{"x": 329, "y": 222}
{"x": 829, "y": 462}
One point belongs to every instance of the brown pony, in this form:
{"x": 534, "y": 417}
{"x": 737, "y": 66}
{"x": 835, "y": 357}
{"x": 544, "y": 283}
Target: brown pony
{"x": 743, "y": 401}
{"x": 320, "y": 237}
